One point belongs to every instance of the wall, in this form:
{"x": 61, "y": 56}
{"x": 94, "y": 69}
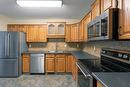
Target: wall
{"x": 94, "y": 47}
{"x": 3, "y": 22}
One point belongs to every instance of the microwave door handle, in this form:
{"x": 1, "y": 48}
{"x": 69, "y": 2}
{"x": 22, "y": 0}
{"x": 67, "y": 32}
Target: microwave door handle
{"x": 87, "y": 76}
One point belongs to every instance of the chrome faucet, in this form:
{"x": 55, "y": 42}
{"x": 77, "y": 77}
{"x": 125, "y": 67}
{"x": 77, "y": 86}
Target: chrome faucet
{"x": 56, "y": 46}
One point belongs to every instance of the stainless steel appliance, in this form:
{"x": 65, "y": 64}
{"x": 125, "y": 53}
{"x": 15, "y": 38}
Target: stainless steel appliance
{"x": 37, "y": 64}
{"x": 84, "y": 78}
{"x": 105, "y": 26}
{"x": 112, "y": 60}
{"x": 12, "y": 44}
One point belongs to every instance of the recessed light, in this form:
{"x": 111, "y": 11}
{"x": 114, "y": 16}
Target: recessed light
{"x": 40, "y": 3}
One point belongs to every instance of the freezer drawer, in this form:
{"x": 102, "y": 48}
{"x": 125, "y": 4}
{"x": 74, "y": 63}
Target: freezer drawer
{"x": 37, "y": 63}
{"x": 8, "y": 67}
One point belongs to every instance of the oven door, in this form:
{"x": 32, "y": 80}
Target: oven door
{"x": 84, "y": 79}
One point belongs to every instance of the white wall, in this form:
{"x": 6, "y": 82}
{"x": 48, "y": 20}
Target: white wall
{"x": 3, "y": 22}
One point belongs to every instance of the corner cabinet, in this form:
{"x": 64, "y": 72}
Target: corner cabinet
{"x": 124, "y": 19}
{"x": 56, "y": 30}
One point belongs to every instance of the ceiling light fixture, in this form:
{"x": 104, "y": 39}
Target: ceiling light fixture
{"x": 40, "y": 3}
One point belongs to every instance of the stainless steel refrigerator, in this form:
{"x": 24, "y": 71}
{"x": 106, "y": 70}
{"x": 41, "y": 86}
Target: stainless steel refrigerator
{"x": 12, "y": 44}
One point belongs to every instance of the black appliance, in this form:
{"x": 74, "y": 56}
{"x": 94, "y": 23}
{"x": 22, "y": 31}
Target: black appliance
{"x": 112, "y": 60}
{"x": 105, "y": 26}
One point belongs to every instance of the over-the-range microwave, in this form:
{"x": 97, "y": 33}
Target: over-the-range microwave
{"x": 105, "y": 26}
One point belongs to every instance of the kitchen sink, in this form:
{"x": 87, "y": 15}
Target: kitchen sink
{"x": 56, "y": 51}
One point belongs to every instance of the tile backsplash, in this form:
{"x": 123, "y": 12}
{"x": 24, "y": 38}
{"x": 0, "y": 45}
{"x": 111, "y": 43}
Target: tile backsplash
{"x": 95, "y": 47}
{"x": 55, "y": 44}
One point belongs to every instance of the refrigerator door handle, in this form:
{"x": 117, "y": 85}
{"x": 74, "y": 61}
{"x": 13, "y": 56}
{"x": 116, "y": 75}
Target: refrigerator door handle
{"x": 5, "y": 45}
{"x": 8, "y": 44}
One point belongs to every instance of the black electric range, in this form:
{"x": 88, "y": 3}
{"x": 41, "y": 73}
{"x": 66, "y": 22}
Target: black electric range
{"x": 112, "y": 60}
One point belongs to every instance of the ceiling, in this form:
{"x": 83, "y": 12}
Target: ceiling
{"x": 72, "y": 9}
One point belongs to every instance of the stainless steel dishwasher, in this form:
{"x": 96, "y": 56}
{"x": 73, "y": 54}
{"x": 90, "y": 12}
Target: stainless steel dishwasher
{"x": 37, "y": 64}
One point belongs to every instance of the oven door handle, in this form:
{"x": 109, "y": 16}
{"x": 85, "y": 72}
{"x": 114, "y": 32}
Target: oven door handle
{"x": 87, "y": 76}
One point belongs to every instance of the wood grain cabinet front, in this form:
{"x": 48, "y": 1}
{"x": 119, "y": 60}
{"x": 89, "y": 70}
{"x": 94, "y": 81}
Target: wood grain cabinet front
{"x": 99, "y": 84}
{"x": 124, "y": 19}
{"x": 60, "y": 63}
{"x": 26, "y": 63}
{"x": 96, "y": 9}
{"x": 34, "y": 32}
{"x": 50, "y": 64}
{"x": 69, "y": 59}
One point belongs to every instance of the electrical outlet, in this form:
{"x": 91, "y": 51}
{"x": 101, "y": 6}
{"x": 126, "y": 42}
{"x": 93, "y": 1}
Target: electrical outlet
{"x": 65, "y": 45}
{"x": 77, "y": 45}
{"x": 94, "y": 48}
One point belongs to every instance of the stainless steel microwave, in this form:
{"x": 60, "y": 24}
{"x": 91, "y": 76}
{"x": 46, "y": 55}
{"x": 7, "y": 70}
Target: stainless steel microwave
{"x": 105, "y": 26}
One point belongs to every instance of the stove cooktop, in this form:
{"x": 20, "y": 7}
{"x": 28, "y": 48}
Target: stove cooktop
{"x": 111, "y": 61}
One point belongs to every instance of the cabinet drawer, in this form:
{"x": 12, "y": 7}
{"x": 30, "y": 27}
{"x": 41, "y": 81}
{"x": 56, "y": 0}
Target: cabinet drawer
{"x": 26, "y": 55}
{"x": 60, "y": 56}
{"x": 50, "y": 55}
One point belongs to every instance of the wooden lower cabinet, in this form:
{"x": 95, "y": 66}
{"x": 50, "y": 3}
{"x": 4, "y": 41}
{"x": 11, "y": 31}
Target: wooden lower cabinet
{"x": 26, "y": 63}
{"x": 74, "y": 69}
{"x": 69, "y": 59}
{"x": 60, "y": 64}
{"x": 55, "y": 63}
{"x": 50, "y": 64}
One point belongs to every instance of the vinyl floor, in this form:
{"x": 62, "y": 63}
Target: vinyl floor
{"x": 39, "y": 81}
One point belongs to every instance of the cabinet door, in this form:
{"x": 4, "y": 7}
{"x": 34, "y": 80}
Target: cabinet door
{"x": 61, "y": 28}
{"x": 86, "y": 20}
{"x": 95, "y": 9}
{"x": 74, "y": 32}
{"x": 31, "y": 33}
{"x": 60, "y": 63}
{"x": 50, "y": 64}
{"x": 74, "y": 69}
{"x": 68, "y": 33}
{"x": 69, "y": 59}
{"x": 105, "y": 4}
{"x": 51, "y": 29}
{"x": 42, "y": 33}
{"x": 124, "y": 19}
{"x": 26, "y": 63}
{"x": 99, "y": 84}
{"x": 81, "y": 32}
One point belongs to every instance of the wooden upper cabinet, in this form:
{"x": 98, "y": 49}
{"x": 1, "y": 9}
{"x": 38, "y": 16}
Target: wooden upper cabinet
{"x": 99, "y": 84}
{"x": 42, "y": 33}
{"x": 86, "y": 20}
{"x": 68, "y": 33}
{"x": 124, "y": 25}
{"x": 34, "y": 32}
{"x": 105, "y": 4}
{"x": 81, "y": 32}
{"x": 74, "y": 32}
{"x": 96, "y": 9}
{"x": 56, "y": 30}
